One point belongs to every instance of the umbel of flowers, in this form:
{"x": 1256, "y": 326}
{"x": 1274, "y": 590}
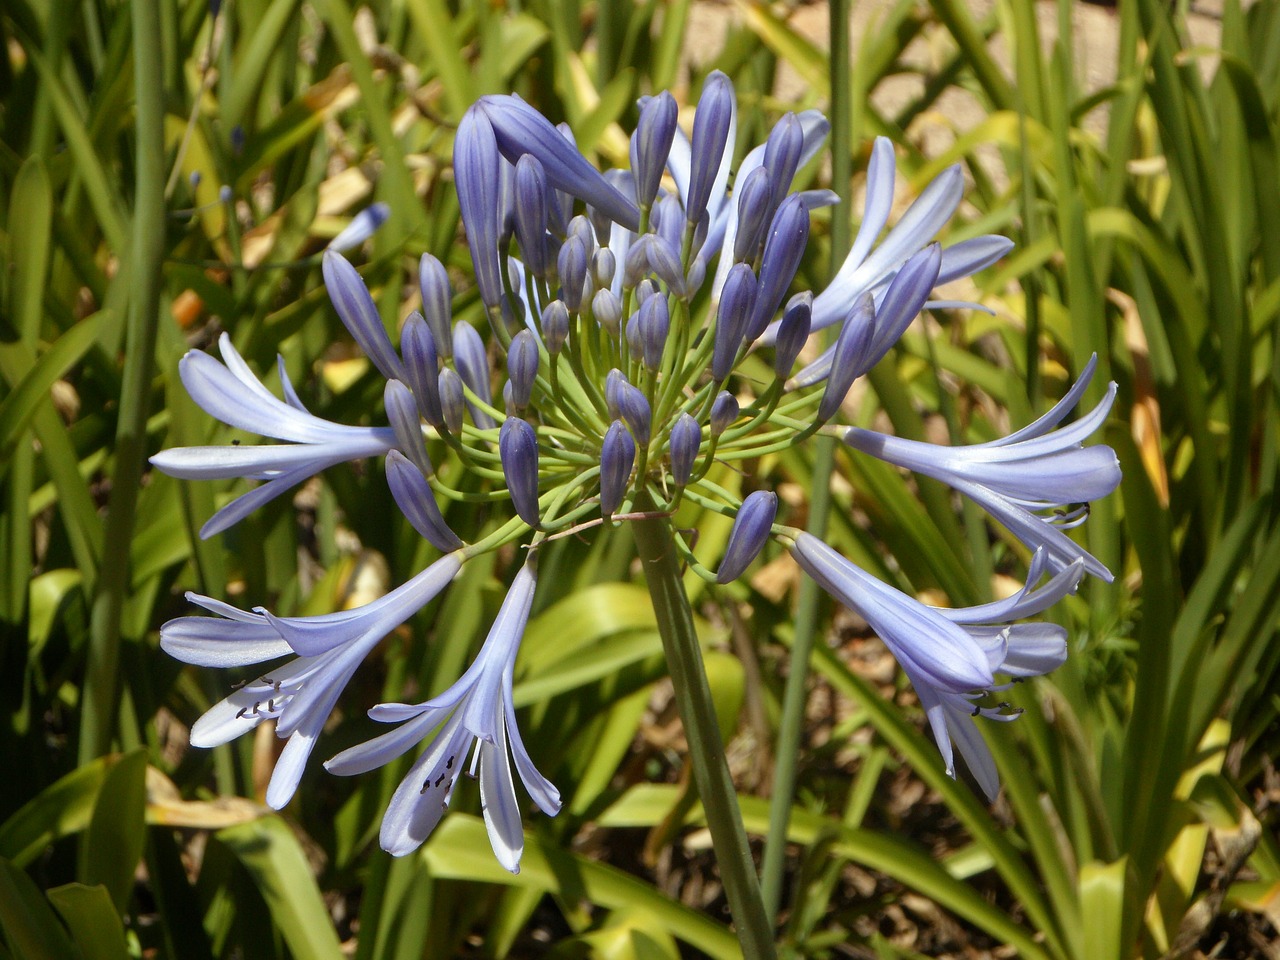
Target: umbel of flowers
{"x": 623, "y": 304}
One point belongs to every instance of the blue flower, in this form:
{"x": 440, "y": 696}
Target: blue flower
{"x": 1030, "y": 481}
{"x": 951, "y": 657}
{"x": 476, "y": 712}
{"x": 300, "y": 694}
{"x": 232, "y": 394}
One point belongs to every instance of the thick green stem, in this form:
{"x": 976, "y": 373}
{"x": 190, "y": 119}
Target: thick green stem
{"x": 706, "y": 751}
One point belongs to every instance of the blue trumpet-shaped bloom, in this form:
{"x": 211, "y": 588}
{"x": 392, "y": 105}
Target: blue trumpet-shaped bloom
{"x": 476, "y": 712}
{"x": 1030, "y": 481}
{"x": 300, "y": 694}
{"x": 231, "y": 393}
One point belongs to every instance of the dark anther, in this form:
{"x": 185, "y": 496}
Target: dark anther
{"x": 243, "y": 711}
{"x": 976, "y": 711}
{"x": 235, "y": 443}
{"x": 425, "y": 787}
{"x": 256, "y": 705}
{"x": 448, "y": 764}
{"x": 271, "y": 706}
{"x": 441, "y": 778}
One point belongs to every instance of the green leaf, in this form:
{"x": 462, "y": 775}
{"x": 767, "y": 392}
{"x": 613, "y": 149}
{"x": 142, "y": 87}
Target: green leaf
{"x": 1102, "y": 900}
{"x": 117, "y": 829}
{"x": 459, "y": 850}
{"x": 20, "y": 405}
{"x": 93, "y": 919}
{"x": 30, "y": 927}
{"x": 59, "y": 810}
{"x": 274, "y": 858}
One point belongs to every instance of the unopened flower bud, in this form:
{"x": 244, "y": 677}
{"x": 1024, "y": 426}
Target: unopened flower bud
{"x": 711, "y": 125}
{"x": 686, "y": 439}
{"x": 572, "y": 264}
{"x": 645, "y": 289}
{"x": 636, "y": 267}
{"x": 603, "y": 265}
{"x": 555, "y": 326}
{"x": 617, "y": 456}
{"x": 531, "y": 214}
{"x": 437, "y": 302}
{"x": 635, "y": 343}
{"x": 654, "y": 321}
{"x": 665, "y": 262}
{"x": 793, "y": 331}
{"x": 362, "y": 226}
{"x": 518, "y": 447}
{"x": 614, "y": 381}
{"x": 452, "y": 400}
{"x": 359, "y": 314}
{"x": 851, "y": 347}
{"x": 522, "y": 367}
{"x": 737, "y": 301}
{"x": 417, "y": 345}
{"x": 473, "y": 366}
{"x": 651, "y": 144}
{"x": 633, "y": 408}
{"x": 754, "y": 206}
{"x": 782, "y": 154}
{"x": 476, "y": 163}
{"x": 417, "y": 502}
{"x": 581, "y": 228}
{"x": 607, "y": 309}
{"x": 751, "y": 528}
{"x": 723, "y": 412}
{"x": 788, "y": 235}
{"x": 402, "y": 414}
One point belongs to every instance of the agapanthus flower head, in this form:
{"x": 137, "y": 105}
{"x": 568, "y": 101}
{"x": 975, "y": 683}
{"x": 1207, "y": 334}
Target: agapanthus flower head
{"x": 622, "y": 311}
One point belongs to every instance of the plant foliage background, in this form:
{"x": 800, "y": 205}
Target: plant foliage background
{"x": 170, "y": 172}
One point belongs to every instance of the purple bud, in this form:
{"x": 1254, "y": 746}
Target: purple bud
{"x": 518, "y": 447}
{"x": 737, "y": 300}
{"x": 362, "y": 226}
{"x": 754, "y": 206}
{"x": 581, "y": 228}
{"x": 723, "y": 412}
{"x": 359, "y": 315}
{"x": 520, "y": 129}
{"x": 573, "y": 272}
{"x": 782, "y": 153}
{"x": 509, "y": 401}
{"x": 633, "y": 408}
{"x": 635, "y": 343}
{"x": 654, "y": 321}
{"x": 665, "y": 262}
{"x": 711, "y": 123}
{"x": 847, "y": 360}
{"x": 614, "y": 381}
{"x": 473, "y": 366}
{"x": 645, "y": 289}
{"x": 751, "y": 529}
{"x": 555, "y": 326}
{"x": 437, "y": 302}
{"x": 617, "y": 456}
{"x": 686, "y": 439}
{"x": 522, "y": 367}
{"x": 531, "y": 214}
{"x": 788, "y": 235}
{"x": 651, "y": 144}
{"x": 603, "y": 265}
{"x": 225, "y": 193}
{"x": 237, "y": 140}
{"x": 637, "y": 264}
{"x": 793, "y": 331}
{"x": 402, "y": 414}
{"x": 506, "y": 203}
{"x": 194, "y": 179}
{"x": 452, "y": 400}
{"x": 607, "y": 309}
{"x": 416, "y": 501}
{"x": 477, "y": 176}
{"x": 421, "y": 367}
